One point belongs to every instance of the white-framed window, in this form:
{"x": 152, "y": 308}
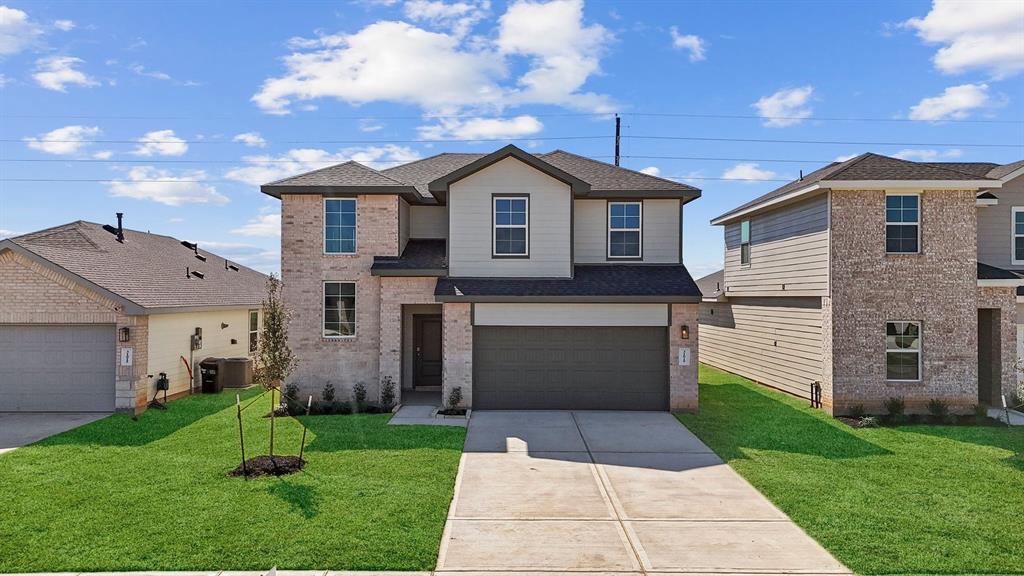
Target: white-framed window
{"x": 903, "y": 351}
{"x": 902, "y": 223}
{"x": 625, "y": 229}
{"x": 1018, "y": 235}
{"x": 511, "y": 234}
{"x": 340, "y": 226}
{"x": 339, "y": 310}
{"x": 745, "y": 243}
{"x": 254, "y": 330}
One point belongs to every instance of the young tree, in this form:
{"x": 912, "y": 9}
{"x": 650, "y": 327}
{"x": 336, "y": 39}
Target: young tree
{"x": 274, "y": 359}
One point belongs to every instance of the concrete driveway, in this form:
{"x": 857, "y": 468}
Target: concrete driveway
{"x": 20, "y": 428}
{"x": 623, "y": 492}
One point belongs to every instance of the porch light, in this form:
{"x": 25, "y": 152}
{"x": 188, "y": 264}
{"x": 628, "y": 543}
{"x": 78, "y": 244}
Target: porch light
{"x": 123, "y": 334}
{"x": 684, "y": 332}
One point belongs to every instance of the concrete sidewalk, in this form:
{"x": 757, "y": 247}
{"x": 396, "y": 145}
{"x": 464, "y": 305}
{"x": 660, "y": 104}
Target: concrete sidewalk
{"x": 18, "y": 429}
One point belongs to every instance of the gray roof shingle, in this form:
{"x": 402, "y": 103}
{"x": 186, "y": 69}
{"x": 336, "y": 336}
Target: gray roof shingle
{"x": 987, "y": 272}
{"x": 419, "y": 254}
{"x": 350, "y": 173}
{"x": 147, "y": 269}
{"x": 1001, "y": 171}
{"x": 711, "y": 285}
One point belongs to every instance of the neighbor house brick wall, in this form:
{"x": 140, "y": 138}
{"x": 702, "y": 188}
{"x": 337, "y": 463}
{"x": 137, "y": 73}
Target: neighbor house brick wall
{"x": 457, "y": 350}
{"x": 936, "y": 287}
{"x": 395, "y": 292}
{"x": 304, "y": 268}
{"x": 1005, "y": 299}
{"x": 683, "y": 379}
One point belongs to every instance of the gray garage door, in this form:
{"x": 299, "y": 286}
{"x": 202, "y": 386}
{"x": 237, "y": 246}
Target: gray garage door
{"x": 57, "y": 368}
{"x": 570, "y": 368}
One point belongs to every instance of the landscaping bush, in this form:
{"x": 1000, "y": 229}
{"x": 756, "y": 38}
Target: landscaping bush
{"x": 387, "y": 394}
{"x": 327, "y": 395}
{"x": 291, "y": 399}
{"x": 331, "y": 408}
{"x": 938, "y": 411}
{"x": 455, "y": 398}
{"x": 894, "y": 409}
{"x": 359, "y": 397}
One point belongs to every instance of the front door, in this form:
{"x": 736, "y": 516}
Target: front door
{"x": 426, "y": 341}
{"x": 989, "y": 357}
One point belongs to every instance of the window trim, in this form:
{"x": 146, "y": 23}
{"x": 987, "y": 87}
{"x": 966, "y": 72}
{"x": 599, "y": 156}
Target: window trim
{"x": 355, "y": 228}
{"x": 1013, "y": 235}
{"x": 918, "y": 223}
{"x": 256, "y": 332}
{"x": 748, "y": 243}
{"x": 639, "y": 230}
{"x": 355, "y": 310}
{"x": 495, "y": 225}
{"x": 919, "y": 351}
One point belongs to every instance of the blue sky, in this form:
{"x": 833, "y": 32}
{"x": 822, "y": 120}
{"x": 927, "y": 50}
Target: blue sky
{"x": 226, "y": 95}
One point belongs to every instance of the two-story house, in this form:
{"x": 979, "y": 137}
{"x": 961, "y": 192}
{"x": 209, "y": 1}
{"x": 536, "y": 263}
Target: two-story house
{"x": 529, "y": 281}
{"x": 875, "y": 277}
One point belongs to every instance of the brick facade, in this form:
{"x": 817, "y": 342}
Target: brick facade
{"x": 457, "y": 349}
{"x": 1004, "y": 299}
{"x": 396, "y": 292}
{"x": 683, "y": 379}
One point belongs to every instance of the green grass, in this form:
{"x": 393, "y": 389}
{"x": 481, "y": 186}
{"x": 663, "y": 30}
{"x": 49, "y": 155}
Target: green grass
{"x": 153, "y": 494}
{"x": 913, "y": 499}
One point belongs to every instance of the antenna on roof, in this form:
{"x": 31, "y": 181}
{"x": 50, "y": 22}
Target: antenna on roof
{"x": 618, "y": 137}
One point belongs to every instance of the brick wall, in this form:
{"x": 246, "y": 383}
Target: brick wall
{"x": 683, "y": 379}
{"x": 394, "y": 293}
{"x": 1004, "y": 299}
{"x": 304, "y": 269}
{"x": 457, "y": 347}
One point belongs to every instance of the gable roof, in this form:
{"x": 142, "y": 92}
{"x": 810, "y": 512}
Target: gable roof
{"x": 440, "y": 185}
{"x": 610, "y": 180}
{"x": 147, "y": 270}
{"x": 346, "y": 178}
{"x": 1006, "y": 169}
{"x": 871, "y": 170}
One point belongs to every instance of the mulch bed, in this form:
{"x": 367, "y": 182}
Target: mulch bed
{"x": 452, "y": 412}
{"x": 269, "y": 466}
{"x": 922, "y": 419}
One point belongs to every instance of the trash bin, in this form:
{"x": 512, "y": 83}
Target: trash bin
{"x": 236, "y": 372}
{"x": 210, "y": 376}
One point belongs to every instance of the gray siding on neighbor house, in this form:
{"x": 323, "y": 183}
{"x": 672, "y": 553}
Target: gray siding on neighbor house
{"x": 995, "y": 226}
{"x": 662, "y": 225}
{"x": 775, "y": 341}
{"x": 789, "y": 252}
{"x": 428, "y": 222}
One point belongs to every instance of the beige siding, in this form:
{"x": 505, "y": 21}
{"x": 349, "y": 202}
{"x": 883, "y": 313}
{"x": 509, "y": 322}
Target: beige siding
{"x": 995, "y": 226}
{"x": 428, "y": 222}
{"x": 469, "y": 206}
{"x": 661, "y": 229}
{"x": 403, "y": 224}
{"x": 775, "y": 341}
{"x": 169, "y": 341}
{"x": 570, "y": 315}
{"x": 789, "y": 252}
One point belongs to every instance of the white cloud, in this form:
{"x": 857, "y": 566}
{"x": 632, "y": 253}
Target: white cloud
{"x": 785, "y": 107}
{"x": 955, "y": 102}
{"x": 748, "y": 171}
{"x": 103, "y": 154}
{"x": 175, "y": 220}
{"x": 160, "y": 143}
{"x": 651, "y": 171}
{"x": 57, "y": 72}
{"x": 4, "y": 233}
{"x": 459, "y": 17}
{"x": 845, "y": 157}
{"x": 64, "y": 25}
{"x": 251, "y": 139}
{"x": 482, "y": 128}
{"x": 975, "y": 35}
{"x": 370, "y": 125}
{"x": 4, "y": 81}
{"x": 265, "y": 168}
{"x": 695, "y": 45}
{"x": 141, "y": 70}
{"x": 17, "y": 32}
{"x": 165, "y": 187}
{"x": 66, "y": 140}
{"x": 928, "y": 155}
{"x": 262, "y": 225}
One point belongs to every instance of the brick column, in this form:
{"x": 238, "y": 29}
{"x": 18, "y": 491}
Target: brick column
{"x": 457, "y": 347}
{"x": 683, "y": 379}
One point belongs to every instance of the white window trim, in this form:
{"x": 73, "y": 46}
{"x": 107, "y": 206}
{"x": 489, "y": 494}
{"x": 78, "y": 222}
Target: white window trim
{"x": 918, "y": 223}
{"x": 324, "y": 228}
{"x": 251, "y": 331}
{"x": 495, "y": 226}
{"x": 1013, "y": 235}
{"x": 749, "y": 243}
{"x": 639, "y": 230}
{"x": 323, "y": 310}
{"x": 919, "y": 351}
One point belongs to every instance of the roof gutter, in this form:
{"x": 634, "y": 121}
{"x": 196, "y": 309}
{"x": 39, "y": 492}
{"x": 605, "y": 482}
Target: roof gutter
{"x": 730, "y": 216}
{"x": 910, "y": 184}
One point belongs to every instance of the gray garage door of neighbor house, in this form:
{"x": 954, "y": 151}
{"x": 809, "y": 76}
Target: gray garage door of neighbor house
{"x": 570, "y": 368}
{"x": 50, "y": 368}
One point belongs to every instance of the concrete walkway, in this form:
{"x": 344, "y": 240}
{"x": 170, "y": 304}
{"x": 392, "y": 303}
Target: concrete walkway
{"x": 1011, "y": 417}
{"x": 599, "y": 492}
{"x": 20, "y": 428}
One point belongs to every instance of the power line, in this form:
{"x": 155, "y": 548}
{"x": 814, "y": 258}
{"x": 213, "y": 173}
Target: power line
{"x": 842, "y": 142}
{"x": 223, "y": 181}
{"x": 257, "y": 162}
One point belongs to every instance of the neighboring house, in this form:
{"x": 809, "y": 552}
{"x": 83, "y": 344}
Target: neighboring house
{"x": 91, "y": 315}
{"x": 877, "y": 277}
{"x": 545, "y": 281}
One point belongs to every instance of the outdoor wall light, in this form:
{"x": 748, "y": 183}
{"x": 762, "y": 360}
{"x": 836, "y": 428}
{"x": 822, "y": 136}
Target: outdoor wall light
{"x": 684, "y": 332}
{"x": 123, "y": 334}
{"x": 223, "y": 325}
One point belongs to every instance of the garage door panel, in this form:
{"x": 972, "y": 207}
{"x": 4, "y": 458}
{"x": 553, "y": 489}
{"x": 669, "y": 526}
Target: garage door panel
{"x": 50, "y": 368}
{"x": 582, "y": 368}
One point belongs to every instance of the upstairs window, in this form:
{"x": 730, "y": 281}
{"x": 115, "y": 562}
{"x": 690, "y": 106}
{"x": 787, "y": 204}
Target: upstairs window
{"x": 745, "y": 243}
{"x": 625, "y": 229}
{"x": 511, "y": 226}
{"x": 340, "y": 226}
{"x": 339, "y": 309}
{"x": 254, "y": 330}
{"x": 1018, "y": 234}
{"x": 903, "y": 351}
{"x": 902, "y": 224}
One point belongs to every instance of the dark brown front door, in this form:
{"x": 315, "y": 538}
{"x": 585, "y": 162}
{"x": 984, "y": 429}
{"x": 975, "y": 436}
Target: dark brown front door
{"x": 426, "y": 341}
{"x": 990, "y": 358}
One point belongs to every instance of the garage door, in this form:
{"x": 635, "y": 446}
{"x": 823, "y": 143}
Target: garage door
{"x": 570, "y": 368}
{"x": 57, "y": 368}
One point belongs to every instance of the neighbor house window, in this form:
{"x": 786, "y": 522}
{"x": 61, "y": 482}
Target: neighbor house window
{"x": 340, "y": 226}
{"x": 1018, "y": 234}
{"x": 902, "y": 223}
{"x": 254, "y": 330}
{"x": 625, "y": 222}
{"x": 745, "y": 243}
{"x": 339, "y": 309}
{"x": 903, "y": 351}
{"x": 511, "y": 226}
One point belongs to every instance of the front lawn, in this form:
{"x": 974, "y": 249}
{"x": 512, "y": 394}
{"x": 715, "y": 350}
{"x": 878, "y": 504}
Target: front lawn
{"x": 153, "y": 494}
{"x": 913, "y": 499}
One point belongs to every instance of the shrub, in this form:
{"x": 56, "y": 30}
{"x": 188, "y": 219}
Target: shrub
{"x": 938, "y": 410}
{"x": 387, "y": 393}
{"x": 858, "y": 411}
{"x": 894, "y": 408}
{"x": 329, "y": 408}
{"x": 291, "y": 399}
{"x": 328, "y": 393}
{"x": 455, "y": 398}
{"x": 869, "y": 422}
{"x": 359, "y": 396}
